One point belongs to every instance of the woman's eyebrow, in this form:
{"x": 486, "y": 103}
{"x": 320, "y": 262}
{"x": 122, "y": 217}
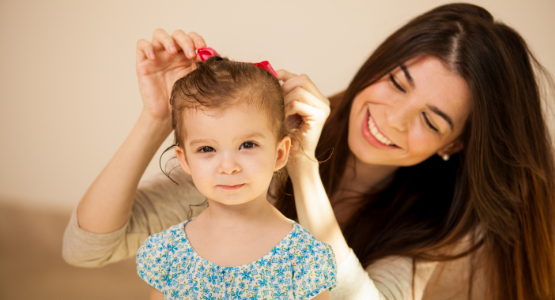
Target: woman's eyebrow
{"x": 407, "y": 75}
{"x": 443, "y": 115}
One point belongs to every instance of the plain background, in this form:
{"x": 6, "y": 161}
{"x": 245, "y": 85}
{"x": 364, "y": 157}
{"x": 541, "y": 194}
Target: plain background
{"x": 68, "y": 88}
{"x": 69, "y": 97}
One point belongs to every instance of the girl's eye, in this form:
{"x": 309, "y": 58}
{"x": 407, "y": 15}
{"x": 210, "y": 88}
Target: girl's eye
{"x": 396, "y": 84}
{"x": 247, "y": 145}
{"x": 206, "y": 149}
{"x": 429, "y": 124}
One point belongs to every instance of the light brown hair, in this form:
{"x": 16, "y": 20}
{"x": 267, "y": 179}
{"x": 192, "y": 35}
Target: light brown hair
{"x": 219, "y": 83}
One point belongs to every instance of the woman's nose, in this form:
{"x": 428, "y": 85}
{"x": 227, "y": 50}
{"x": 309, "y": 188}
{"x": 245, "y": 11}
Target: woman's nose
{"x": 229, "y": 165}
{"x": 398, "y": 115}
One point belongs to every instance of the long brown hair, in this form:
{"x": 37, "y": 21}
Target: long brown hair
{"x": 499, "y": 190}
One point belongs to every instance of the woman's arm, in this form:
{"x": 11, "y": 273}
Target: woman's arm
{"x": 314, "y": 210}
{"x": 107, "y": 204}
{"x": 390, "y": 278}
{"x": 114, "y": 217}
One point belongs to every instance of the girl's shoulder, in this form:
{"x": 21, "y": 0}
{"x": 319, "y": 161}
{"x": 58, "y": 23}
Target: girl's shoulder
{"x": 158, "y": 252}
{"x": 306, "y": 247}
{"x": 161, "y": 242}
{"x": 175, "y": 233}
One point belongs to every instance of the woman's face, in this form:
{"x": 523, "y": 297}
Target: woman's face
{"x": 416, "y": 111}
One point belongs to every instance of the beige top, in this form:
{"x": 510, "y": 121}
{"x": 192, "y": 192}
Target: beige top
{"x": 160, "y": 203}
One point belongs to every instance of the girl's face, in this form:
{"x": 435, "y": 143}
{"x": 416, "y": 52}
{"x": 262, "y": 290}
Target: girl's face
{"x": 231, "y": 153}
{"x": 416, "y": 111}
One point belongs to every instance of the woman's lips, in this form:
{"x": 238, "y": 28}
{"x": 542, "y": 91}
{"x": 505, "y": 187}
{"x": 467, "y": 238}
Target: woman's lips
{"x": 370, "y": 138}
{"x": 231, "y": 187}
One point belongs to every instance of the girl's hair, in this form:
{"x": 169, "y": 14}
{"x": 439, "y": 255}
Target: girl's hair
{"x": 219, "y": 83}
{"x": 499, "y": 191}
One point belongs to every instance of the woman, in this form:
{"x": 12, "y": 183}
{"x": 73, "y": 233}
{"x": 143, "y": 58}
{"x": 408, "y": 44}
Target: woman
{"x": 437, "y": 150}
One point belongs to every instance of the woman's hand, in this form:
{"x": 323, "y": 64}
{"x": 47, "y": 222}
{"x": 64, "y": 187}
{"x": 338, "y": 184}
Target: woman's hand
{"x": 160, "y": 64}
{"x": 306, "y": 111}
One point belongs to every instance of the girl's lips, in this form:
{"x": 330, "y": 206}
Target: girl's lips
{"x": 231, "y": 187}
{"x": 370, "y": 138}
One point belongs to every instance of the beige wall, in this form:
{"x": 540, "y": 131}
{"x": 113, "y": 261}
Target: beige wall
{"x": 68, "y": 91}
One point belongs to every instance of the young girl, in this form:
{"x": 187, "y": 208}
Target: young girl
{"x": 230, "y": 137}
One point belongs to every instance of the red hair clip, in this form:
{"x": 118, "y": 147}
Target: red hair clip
{"x": 206, "y": 53}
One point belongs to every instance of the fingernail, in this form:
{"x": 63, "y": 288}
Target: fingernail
{"x": 172, "y": 48}
{"x": 151, "y": 54}
{"x": 191, "y": 53}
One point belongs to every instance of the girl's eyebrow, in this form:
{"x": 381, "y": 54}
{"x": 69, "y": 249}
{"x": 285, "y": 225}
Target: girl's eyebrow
{"x": 202, "y": 141}
{"x": 242, "y": 137}
{"x": 250, "y": 136}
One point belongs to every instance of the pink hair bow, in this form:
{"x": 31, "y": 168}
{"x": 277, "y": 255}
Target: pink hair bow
{"x": 206, "y": 53}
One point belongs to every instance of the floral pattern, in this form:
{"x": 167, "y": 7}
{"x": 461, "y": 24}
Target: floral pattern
{"x": 299, "y": 267}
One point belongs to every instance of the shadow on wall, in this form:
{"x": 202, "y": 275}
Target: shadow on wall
{"x": 31, "y": 264}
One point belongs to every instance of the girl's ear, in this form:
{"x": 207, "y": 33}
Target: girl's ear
{"x": 180, "y": 153}
{"x": 451, "y": 149}
{"x": 283, "y": 147}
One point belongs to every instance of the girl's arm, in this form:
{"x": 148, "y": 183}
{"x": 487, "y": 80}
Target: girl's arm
{"x": 325, "y": 295}
{"x": 157, "y": 295}
{"x": 107, "y": 204}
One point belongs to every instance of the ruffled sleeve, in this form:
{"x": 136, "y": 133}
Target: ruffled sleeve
{"x": 315, "y": 269}
{"x": 152, "y": 262}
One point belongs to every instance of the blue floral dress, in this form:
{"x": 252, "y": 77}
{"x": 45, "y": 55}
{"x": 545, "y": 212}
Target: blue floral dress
{"x": 299, "y": 267}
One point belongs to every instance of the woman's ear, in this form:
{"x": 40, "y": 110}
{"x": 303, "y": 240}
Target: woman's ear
{"x": 283, "y": 147}
{"x": 451, "y": 148}
{"x": 180, "y": 153}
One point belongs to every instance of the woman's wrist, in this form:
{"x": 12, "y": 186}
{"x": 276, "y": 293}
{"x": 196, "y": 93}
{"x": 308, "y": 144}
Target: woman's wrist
{"x": 157, "y": 127}
{"x": 303, "y": 167}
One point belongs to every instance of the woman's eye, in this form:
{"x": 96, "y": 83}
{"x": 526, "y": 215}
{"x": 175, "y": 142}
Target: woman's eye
{"x": 247, "y": 145}
{"x": 428, "y": 123}
{"x": 396, "y": 84}
{"x": 206, "y": 149}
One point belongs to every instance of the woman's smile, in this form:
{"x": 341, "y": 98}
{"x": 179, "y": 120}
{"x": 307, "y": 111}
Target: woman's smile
{"x": 373, "y": 135}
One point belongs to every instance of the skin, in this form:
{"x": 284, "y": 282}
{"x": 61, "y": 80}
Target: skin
{"x": 406, "y": 113}
{"x": 398, "y": 110}
{"x": 107, "y": 204}
{"x": 232, "y": 155}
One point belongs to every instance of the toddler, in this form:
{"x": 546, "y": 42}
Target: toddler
{"x": 230, "y": 136}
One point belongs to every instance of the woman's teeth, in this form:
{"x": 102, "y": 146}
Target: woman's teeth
{"x": 377, "y": 134}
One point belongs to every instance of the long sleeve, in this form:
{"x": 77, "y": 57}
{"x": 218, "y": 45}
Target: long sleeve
{"x": 159, "y": 204}
{"x": 389, "y": 278}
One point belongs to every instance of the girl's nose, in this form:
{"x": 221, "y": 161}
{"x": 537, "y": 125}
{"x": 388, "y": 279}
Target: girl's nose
{"x": 229, "y": 165}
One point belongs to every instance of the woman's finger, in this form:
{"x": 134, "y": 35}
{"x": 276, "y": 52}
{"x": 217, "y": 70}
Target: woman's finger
{"x": 185, "y": 43}
{"x": 303, "y": 81}
{"x": 284, "y": 75}
{"x": 309, "y": 114}
{"x": 198, "y": 40}
{"x": 145, "y": 50}
{"x": 301, "y": 95}
{"x": 162, "y": 40}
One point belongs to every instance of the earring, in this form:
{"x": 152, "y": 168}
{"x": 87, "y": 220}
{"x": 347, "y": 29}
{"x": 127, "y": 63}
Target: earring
{"x": 445, "y": 157}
